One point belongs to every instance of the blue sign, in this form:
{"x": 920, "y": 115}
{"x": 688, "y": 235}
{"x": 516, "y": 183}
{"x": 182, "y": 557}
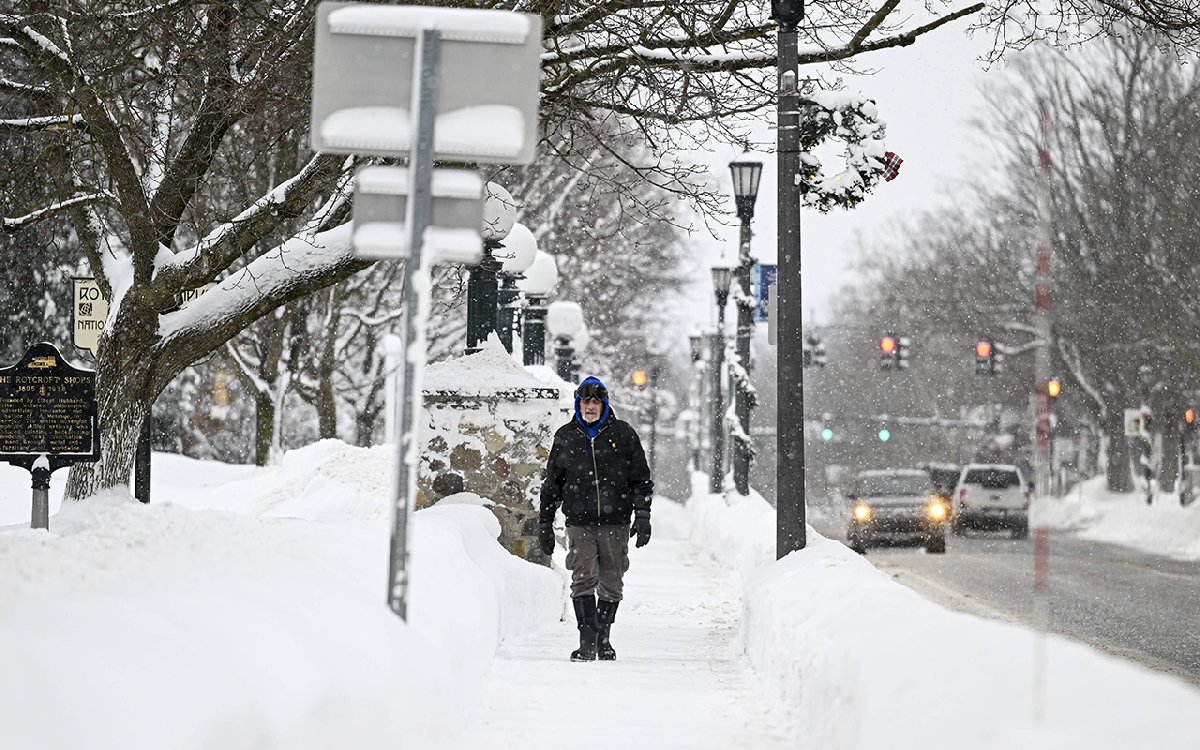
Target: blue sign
{"x": 764, "y": 279}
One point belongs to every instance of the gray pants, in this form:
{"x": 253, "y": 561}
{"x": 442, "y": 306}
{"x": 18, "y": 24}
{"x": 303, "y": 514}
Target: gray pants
{"x": 598, "y": 559}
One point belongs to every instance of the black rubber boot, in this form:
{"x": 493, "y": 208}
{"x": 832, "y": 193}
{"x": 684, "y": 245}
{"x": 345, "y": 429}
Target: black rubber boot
{"x": 606, "y": 613}
{"x": 585, "y": 616}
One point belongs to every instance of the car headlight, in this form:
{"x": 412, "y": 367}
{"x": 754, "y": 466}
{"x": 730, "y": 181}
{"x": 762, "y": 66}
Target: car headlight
{"x": 937, "y": 511}
{"x": 862, "y": 512}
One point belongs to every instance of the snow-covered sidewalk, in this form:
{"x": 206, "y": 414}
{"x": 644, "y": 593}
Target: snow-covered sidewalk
{"x": 680, "y": 679}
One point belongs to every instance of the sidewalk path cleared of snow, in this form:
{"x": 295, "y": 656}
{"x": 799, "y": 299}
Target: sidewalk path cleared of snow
{"x": 680, "y": 679}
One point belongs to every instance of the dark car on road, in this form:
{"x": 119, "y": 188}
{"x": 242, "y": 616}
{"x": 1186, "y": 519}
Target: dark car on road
{"x": 895, "y": 505}
{"x": 945, "y": 480}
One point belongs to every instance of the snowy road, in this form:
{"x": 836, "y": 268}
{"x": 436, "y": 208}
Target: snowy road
{"x": 680, "y": 680}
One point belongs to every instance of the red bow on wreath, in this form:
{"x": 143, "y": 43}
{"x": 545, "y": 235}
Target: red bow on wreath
{"x": 891, "y": 165}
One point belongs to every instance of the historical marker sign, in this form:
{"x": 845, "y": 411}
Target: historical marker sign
{"x": 47, "y": 408}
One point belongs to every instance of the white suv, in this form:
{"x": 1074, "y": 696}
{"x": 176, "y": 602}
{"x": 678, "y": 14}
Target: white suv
{"x": 992, "y": 496}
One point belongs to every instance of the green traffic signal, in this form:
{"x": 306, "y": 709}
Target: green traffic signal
{"x": 827, "y": 434}
{"x": 885, "y": 435}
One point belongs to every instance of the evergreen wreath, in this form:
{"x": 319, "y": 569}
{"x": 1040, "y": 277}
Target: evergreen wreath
{"x": 855, "y": 122}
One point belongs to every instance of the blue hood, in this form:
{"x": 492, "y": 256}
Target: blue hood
{"x": 591, "y": 430}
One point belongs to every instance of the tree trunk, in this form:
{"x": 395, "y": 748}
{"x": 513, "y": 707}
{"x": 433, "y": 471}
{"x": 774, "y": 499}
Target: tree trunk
{"x": 326, "y": 403}
{"x": 125, "y": 393}
{"x": 264, "y": 427}
{"x": 1168, "y": 462}
{"x": 1120, "y": 477}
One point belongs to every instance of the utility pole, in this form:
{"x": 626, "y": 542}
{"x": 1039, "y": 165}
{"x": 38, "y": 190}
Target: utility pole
{"x": 789, "y": 503}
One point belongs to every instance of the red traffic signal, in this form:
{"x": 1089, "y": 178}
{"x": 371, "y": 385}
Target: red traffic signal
{"x": 983, "y": 349}
{"x": 1053, "y": 387}
{"x": 639, "y": 378}
{"x": 887, "y": 344}
{"x": 1189, "y": 416}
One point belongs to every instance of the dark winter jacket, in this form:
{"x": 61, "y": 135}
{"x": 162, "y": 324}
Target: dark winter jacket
{"x": 596, "y": 480}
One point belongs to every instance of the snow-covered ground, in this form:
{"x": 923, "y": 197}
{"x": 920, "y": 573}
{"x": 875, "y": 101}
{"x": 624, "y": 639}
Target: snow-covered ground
{"x": 244, "y": 608}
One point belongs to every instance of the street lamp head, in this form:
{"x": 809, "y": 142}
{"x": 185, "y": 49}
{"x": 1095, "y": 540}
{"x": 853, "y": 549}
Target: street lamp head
{"x": 746, "y": 175}
{"x": 519, "y": 251}
{"x": 722, "y": 276}
{"x": 787, "y": 13}
{"x": 499, "y": 212}
{"x": 541, "y": 276}
{"x": 564, "y": 319}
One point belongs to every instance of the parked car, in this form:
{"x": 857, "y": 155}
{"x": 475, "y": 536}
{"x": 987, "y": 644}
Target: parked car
{"x": 895, "y": 505}
{"x": 992, "y": 496}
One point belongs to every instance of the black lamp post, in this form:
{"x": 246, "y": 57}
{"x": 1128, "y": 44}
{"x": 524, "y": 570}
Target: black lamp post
{"x": 696, "y": 345}
{"x": 520, "y": 249}
{"x": 746, "y": 175}
{"x": 789, "y": 429}
{"x": 722, "y": 276}
{"x": 564, "y": 358}
{"x": 499, "y": 213}
{"x": 540, "y": 279}
{"x": 564, "y": 320}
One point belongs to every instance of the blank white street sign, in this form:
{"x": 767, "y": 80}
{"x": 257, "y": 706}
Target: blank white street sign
{"x": 487, "y": 102}
{"x": 381, "y": 206}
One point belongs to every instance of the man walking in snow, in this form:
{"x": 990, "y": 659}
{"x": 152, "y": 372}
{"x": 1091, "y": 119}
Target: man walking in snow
{"x": 597, "y": 472}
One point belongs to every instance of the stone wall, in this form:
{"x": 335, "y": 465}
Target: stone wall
{"x": 487, "y": 427}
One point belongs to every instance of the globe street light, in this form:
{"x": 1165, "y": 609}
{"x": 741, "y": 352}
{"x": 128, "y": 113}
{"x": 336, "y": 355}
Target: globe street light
{"x": 564, "y": 320}
{"x": 517, "y": 254}
{"x": 746, "y": 175}
{"x": 540, "y": 280}
{"x": 722, "y": 276}
{"x": 499, "y": 214}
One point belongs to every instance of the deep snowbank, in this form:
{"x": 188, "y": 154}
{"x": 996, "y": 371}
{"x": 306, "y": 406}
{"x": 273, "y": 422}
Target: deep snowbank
{"x": 174, "y": 625}
{"x": 871, "y": 664}
{"x": 1163, "y": 527}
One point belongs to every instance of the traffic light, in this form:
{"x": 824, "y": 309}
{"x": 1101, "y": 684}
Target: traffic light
{"x": 1189, "y": 419}
{"x": 988, "y": 359}
{"x": 814, "y": 351}
{"x": 902, "y": 344}
{"x": 983, "y": 358}
{"x": 827, "y": 434}
{"x": 887, "y": 351}
{"x": 639, "y": 378}
{"x": 884, "y": 434}
{"x": 1053, "y": 387}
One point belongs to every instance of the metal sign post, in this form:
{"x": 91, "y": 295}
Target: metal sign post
{"x": 419, "y": 208}
{"x": 472, "y": 96}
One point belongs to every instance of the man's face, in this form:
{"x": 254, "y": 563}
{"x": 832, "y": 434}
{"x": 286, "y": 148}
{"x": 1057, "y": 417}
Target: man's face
{"x": 590, "y": 408}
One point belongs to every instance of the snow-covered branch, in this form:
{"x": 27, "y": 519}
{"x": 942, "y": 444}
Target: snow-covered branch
{"x": 20, "y": 222}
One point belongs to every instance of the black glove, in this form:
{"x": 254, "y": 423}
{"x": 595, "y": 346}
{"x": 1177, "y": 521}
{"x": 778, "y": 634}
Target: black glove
{"x": 546, "y": 538}
{"x": 641, "y": 527}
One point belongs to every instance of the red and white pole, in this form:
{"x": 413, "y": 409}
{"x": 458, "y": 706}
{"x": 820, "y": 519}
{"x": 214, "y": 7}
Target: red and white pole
{"x": 1042, "y": 298}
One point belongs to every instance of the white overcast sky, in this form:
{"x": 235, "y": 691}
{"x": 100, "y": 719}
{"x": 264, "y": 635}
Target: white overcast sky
{"x": 926, "y": 95}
